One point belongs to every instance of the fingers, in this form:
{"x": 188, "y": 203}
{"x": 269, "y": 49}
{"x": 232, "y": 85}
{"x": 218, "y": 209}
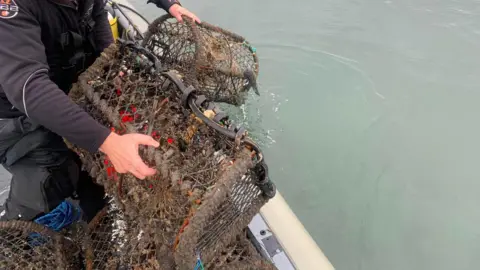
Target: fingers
{"x": 140, "y": 169}
{"x": 137, "y": 174}
{"x": 178, "y": 16}
{"x": 192, "y": 16}
{"x": 177, "y": 12}
{"x": 126, "y": 158}
{"x": 195, "y": 18}
{"x": 145, "y": 140}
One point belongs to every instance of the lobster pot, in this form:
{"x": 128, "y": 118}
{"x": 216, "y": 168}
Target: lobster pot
{"x": 106, "y": 239}
{"x": 223, "y": 64}
{"x": 106, "y": 236}
{"x": 240, "y": 254}
{"x": 205, "y": 190}
{"x": 27, "y": 245}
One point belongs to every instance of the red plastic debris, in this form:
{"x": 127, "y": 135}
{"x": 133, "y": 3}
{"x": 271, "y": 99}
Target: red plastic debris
{"x": 170, "y": 140}
{"x": 165, "y": 100}
{"x": 119, "y": 92}
{"x": 127, "y": 118}
{"x": 155, "y": 135}
{"x": 110, "y": 171}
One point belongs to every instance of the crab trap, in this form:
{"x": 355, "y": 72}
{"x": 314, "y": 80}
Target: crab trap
{"x": 211, "y": 177}
{"x": 221, "y": 63}
{"x": 27, "y": 245}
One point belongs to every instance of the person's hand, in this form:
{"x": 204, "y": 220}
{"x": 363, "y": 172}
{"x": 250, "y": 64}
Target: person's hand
{"x": 123, "y": 153}
{"x": 177, "y": 11}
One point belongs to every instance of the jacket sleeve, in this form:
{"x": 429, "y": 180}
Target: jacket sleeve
{"x": 103, "y": 31}
{"x": 164, "y": 4}
{"x": 24, "y": 78}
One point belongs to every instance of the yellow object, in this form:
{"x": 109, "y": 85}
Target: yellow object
{"x": 209, "y": 113}
{"x": 114, "y": 27}
{"x": 192, "y": 129}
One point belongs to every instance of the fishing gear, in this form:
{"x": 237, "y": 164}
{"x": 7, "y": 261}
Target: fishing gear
{"x": 238, "y": 135}
{"x": 211, "y": 177}
{"x": 222, "y": 64}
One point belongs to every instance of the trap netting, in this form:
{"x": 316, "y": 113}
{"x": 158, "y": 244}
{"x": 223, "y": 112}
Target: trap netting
{"x": 221, "y": 63}
{"x": 240, "y": 254}
{"x": 106, "y": 232}
{"x": 105, "y": 236}
{"x": 27, "y": 245}
{"x": 211, "y": 179}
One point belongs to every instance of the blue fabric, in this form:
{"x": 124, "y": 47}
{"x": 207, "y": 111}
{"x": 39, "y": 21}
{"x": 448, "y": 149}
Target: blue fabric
{"x": 60, "y": 217}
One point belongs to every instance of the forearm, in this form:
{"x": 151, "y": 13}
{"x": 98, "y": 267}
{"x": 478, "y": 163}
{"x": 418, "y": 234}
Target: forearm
{"x": 28, "y": 87}
{"x": 164, "y": 4}
{"x": 44, "y": 103}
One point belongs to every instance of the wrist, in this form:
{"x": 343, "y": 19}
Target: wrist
{"x": 164, "y": 4}
{"x": 173, "y": 6}
{"x": 108, "y": 142}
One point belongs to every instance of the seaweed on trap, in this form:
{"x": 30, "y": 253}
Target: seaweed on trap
{"x": 207, "y": 187}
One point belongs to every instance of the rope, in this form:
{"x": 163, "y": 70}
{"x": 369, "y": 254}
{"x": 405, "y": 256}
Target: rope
{"x": 60, "y": 217}
{"x": 134, "y": 11}
{"x": 199, "y": 265}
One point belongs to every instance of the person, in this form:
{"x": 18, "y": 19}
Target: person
{"x": 45, "y": 45}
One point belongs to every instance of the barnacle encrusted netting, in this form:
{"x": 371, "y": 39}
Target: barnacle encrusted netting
{"x": 210, "y": 181}
{"x": 27, "y": 245}
{"x": 221, "y": 63}
{"x": 240, "y": 254}
{"x": 106, "y": 234}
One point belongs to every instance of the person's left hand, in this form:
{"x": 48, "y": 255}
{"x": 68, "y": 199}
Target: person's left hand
{"x": 177, "y": 11}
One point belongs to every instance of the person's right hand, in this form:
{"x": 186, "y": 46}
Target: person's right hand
{"x": 177, "y": 11}
{"x": 122, "y": 150}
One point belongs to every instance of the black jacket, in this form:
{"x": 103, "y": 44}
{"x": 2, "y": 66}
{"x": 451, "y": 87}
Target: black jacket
{"x": 32, "y": 61}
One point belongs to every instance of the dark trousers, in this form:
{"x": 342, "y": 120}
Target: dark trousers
{"x": 44, "y": 172}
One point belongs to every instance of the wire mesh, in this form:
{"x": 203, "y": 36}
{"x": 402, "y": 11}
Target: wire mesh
{"x": 223, "y": 64}
{"x": 203, "y": 193}
{"x": 27, "y": 245}
{"x": 240, "y": 254}
{"x": 105, "y": 236}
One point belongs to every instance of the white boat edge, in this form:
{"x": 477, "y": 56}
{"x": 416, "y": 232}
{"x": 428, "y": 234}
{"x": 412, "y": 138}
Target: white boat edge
{"x": 297, "y": 243}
